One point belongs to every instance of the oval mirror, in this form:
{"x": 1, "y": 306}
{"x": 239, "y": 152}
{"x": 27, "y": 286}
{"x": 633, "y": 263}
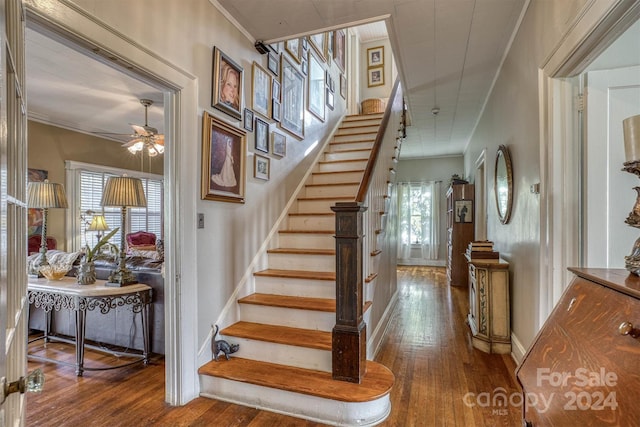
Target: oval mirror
{"x": 503, "y": 184}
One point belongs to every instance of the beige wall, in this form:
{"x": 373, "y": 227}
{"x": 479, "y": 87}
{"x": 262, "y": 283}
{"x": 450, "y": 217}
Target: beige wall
{"x": 511, "y": 117}
{"x": 50, "y": 146}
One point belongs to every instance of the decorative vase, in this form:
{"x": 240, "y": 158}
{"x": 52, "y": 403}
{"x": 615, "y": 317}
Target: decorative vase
{"x": 86, "y": 274}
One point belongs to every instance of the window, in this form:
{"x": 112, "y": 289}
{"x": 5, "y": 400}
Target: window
{"x": 418, "y": 219}
{"x": 85, "y": 183}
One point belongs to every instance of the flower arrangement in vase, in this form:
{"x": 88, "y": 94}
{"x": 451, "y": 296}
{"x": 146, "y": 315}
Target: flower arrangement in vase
{"x": 86, "y": 273}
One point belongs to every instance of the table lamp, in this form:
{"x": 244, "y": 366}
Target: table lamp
{"x": 123, "y": 192}
{"x": 99, "y": 224}
{"x": 44, "y": 195}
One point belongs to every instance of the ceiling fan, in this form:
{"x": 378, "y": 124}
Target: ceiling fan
{"x": 145, "y": 136}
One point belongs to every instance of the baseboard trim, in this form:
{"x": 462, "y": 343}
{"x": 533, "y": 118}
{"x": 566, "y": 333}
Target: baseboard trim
{"x": 517, "y": 349}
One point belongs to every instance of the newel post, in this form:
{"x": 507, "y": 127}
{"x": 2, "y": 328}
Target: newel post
{"x": 350, "y": 333}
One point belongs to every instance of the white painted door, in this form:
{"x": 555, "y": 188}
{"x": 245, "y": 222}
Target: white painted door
{"x": 13, "y": 209}
{"x": 612, "y": 96}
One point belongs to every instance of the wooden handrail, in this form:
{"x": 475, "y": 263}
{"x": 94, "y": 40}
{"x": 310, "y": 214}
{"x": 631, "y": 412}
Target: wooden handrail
{"x": 373, "y": 158}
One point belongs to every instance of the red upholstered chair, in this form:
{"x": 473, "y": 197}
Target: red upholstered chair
{"x": 33, "y": 243}
{"x": 141, "y": 240}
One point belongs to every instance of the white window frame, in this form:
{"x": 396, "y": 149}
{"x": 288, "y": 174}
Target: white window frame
{"x": 73, "y": 222}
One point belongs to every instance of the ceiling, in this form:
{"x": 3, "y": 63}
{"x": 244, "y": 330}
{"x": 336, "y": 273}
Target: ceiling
{"x": 447, "y": 52}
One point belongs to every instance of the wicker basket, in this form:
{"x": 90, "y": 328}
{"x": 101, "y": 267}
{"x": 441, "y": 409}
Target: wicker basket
{"x": 372, "y": 106}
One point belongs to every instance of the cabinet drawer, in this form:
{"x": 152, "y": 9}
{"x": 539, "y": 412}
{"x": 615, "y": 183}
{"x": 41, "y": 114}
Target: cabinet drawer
{"x": 580, "y": 369}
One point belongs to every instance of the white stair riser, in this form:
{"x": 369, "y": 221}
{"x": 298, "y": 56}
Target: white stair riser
{"x": 316, "y": 409}
{"x": 316, "y": 205}
{"x": 291, "y": 317}
{"x": 354, "y": 138}
{"x": 307, "y": 262}
{"x": 332, "y": 191}
{"x": 346, "y": 155}
{"x": 332, "y": 178}
{"x": 295, "y": 287}
{"x": 311, "y": 222}
{"x": 357, "y": 130}
{"x": 282, "y": 354}
{"x": 342, "y": 166}
{"x": 362, "y": 122}
{"x": 345, "y": 146}
{"x": 307, "y": 241}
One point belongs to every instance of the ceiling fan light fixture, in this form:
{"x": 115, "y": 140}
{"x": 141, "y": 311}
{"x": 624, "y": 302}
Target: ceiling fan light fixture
{"x": 147, "y": 136}
{"x": 159, "y": 148}
{"x": 135, "y": 148}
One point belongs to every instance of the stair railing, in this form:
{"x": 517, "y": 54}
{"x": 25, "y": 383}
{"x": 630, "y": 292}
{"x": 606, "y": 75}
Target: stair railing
{"x": 354, "y": 222}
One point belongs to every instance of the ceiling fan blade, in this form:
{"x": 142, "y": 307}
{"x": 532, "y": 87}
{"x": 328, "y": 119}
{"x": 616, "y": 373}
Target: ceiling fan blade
{"x": 140, "y": 130}
{"x": 132, "y": 142}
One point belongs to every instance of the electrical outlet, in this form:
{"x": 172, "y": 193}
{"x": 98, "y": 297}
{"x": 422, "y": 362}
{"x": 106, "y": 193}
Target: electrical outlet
{"x": 200, "y": 220}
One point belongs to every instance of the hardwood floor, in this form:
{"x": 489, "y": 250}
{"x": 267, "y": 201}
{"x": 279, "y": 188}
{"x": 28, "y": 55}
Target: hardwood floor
{"x": 428, "y": 347}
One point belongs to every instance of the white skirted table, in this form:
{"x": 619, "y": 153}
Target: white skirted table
{"x": 67, "y": 294}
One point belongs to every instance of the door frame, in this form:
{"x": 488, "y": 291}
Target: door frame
{"x": 561, "y": 131}
{"x": 181, "y": 128}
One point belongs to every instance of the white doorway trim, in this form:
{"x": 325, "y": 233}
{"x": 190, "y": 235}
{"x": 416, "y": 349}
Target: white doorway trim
{"x": 596, "y": 27}
{"x": 481, "y": 196}
{"x": 181, "y": 129}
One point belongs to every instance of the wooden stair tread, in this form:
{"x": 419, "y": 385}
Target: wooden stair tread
{"x": 377, "y": 382}
{"x": 325, "y": 162}
{"x": 297, "y": 274}
{"x": 333, "y": 184}
{"x": 320, "y": 340}
{"x": 335, "y": 172}
{"x": 336, "y": 198}
{"x": 286, "y": 301}
{"x": 312, "y": 214}
{"x": 307, "y": 231}
{"x": 302, "y": 251}
{"x": 353, "y": 150}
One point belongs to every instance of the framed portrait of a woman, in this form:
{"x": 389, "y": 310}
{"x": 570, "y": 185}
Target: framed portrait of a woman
{"x": 223, "y": 161}
{"x": 226, "y": 94}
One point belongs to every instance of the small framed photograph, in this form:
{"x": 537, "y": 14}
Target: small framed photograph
{"x": 248, "y": 120}
{"x": 304, "y": 67}
{"x": 262, "y": 135}
{"x": 375, "y": 76}
{"x": 261, "y": 96}
{"x": 275, "y": 90}
{"x": 273, "y": 63}
{"x": 226, "y": 94}
{"x": 276, "y": 110}
{"x": 293, "y": 47}
{"x": 223, "y": 161}
{"x": 278, "y": 144}
{"x": 375, "y": 56}
{"x": 318, "y": 41}
{"x": 330, "y": 99}
{"x": 340, "y": 50}
{"x": 261, "y": 167}
{"x": 305, "y": 44}
{"x": 343, "y": 86}
{"x": 463, "y": 211}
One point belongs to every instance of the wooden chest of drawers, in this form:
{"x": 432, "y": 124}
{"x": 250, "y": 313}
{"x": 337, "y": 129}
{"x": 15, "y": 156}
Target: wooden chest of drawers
{"x": 581, "y": 368}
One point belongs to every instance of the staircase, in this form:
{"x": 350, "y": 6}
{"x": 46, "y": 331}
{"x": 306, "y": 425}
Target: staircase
{"x": 284, "y": 362}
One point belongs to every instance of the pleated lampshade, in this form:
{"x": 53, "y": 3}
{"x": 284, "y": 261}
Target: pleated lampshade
{"x": 124, "y": 191}
{"x": 46, "y": 194}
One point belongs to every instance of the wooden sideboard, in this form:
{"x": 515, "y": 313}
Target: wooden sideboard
{"x": 583, "y": 367}
{"x": 460, "y": 231}
{"x": 489, "y": 313}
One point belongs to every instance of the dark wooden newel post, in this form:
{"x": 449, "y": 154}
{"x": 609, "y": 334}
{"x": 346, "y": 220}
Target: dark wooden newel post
{"x": 350, "y": 333}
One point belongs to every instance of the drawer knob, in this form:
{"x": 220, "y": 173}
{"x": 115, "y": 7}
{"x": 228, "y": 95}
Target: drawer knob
{"x": 626, "y": 328}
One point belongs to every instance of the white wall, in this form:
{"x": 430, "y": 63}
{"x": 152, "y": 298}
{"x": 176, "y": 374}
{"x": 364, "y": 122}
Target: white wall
{"x": 433, "y": 169}
{"x": 184, "y": 37}
{"x": 511, "y": 117}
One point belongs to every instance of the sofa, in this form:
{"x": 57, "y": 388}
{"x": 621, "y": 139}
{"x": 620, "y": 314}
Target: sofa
{"x": 116, "y": 328}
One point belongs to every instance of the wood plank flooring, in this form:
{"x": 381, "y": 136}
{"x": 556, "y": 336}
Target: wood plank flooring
{"x": 428, "y": 348}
